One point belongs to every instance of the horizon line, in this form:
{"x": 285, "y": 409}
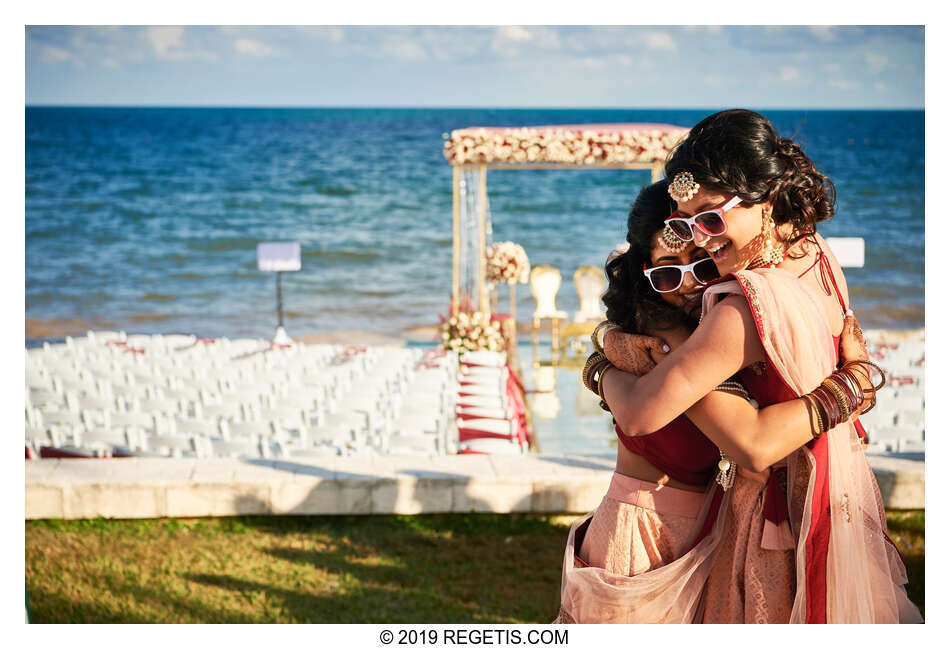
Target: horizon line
{"x": 439, "y": 107}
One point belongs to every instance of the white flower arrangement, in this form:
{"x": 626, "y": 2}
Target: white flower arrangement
{"x": 623, "y": 144}
{"x": 471, "y": 331}
{"x": 507, "y": 263}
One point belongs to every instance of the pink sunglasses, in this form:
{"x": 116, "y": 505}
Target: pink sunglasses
{"x": 710, "y": 222}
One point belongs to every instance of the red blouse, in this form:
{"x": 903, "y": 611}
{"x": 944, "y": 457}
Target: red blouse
{"x": 678, "y": 449}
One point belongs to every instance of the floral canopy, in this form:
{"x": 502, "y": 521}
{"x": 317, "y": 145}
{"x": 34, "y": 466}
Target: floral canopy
{"x": 597, "y": 145}
{"x": 472, "y": 151}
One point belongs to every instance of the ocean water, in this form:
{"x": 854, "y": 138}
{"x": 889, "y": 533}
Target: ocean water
{"x": 147, "y": 219}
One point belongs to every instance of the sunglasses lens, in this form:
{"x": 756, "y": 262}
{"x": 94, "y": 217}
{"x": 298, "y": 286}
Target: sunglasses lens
{"x": 665, "y": 280}
{"x": 711, "y": 223}
{"x": 706, "y": 271}
{"x": 681, "y": 229}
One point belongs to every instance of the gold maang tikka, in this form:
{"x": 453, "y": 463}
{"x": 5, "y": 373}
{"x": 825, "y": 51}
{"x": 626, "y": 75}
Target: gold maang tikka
{"x": 670, "y": 241}
{"x": 683, "y": 187}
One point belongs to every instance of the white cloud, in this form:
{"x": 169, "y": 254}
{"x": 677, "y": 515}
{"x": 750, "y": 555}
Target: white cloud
{"x": 252, "y": 47}
{"x": 331, "y": 34}
{"x": 110, "y": 62}
{"x": 163, "y": 39}
{"x": 406, "y": 50}
{"x": 789, "y": 73}
{"x": 545, "y": 37}
{"x": 843, "y": 84}
{"x": 880, "y": 85}
{"x": 659, "y": 41}
{"x": 514, "y": 33}
{"x": 168, "y": 43}
{"x": 52, "y": 54}
{"x": 876, "y": 62}
{"x": 832, "y": 67}
{"x": 625, "y": 60}
{"x": 591, "y": 63}
{"x": 825, "y": 33}
{"x": 709, "y": 29}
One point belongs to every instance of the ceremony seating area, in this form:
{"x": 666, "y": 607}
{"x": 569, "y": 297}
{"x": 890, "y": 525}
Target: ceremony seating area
{"x": 115, "y": 395}
{"x": 896, "y": 424}
{"x": 109, "y": 394}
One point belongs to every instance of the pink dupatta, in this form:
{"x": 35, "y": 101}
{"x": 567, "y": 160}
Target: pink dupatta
{"x": 847, "y": 569}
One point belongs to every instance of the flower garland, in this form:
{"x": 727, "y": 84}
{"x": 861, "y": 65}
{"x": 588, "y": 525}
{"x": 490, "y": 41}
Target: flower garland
{"x": 471, "y": 331}
{"x": 580, "y": 147}
{"x": 507, "y": 263}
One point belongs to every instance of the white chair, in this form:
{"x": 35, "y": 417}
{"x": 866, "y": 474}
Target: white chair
{"x": 488, "y": 413}
{"x": 484, "y": 402}
{"x": 589, "y": 282}
{"x": 487, "y": 358}
{"x": 171, "y": 445}
{"x": 253, "y": 429}
{"x": 252, "y": 449}
{"x": 545, "y": 281}
{"x": 492, "y": 446}
{"x": 196, "y": 427}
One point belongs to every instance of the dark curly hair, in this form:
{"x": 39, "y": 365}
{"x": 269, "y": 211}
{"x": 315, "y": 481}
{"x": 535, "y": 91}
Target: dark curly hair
{"x": 631, "y": 301}
{"x": 739, "y": 152}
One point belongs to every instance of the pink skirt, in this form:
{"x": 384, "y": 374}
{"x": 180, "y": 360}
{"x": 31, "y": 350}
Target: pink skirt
{"x": 640, "y": 526}
{"x": 748, "y": 583}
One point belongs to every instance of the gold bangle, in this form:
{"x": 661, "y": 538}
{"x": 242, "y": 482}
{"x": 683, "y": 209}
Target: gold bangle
{"x": 839, "y": 396}
{"x": 600, "y": 383}
{"x": 812, "y": 416}
{"x": 606, "y": 325}
{"x": 818, "y": 408}
{"x": 875, "y": 366}
{"x": 592, "y": 360}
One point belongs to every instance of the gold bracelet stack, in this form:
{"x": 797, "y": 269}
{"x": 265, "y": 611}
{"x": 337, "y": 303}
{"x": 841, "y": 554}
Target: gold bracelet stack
{"x": 606, "y": 325}
{"x": 841, "y": 394}
{"x": 593, "y": 374}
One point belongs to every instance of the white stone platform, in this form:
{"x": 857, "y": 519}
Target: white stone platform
{"x": 185, "y": 488}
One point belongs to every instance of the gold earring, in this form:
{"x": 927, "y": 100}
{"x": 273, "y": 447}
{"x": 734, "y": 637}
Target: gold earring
{"x": 771, "y": 254}
{"x": 671, "y": 242}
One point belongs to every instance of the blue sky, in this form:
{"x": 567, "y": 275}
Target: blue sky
{"x": 503, "y": 66}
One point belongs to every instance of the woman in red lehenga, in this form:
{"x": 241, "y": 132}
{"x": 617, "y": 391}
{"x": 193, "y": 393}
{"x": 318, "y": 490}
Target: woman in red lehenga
{"x": 804, "y": 540}
{"x": 651, "y": 514}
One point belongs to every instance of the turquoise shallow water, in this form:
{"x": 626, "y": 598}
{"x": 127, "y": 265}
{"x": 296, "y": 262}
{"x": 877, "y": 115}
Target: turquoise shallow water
{"x": 147, "y": 218}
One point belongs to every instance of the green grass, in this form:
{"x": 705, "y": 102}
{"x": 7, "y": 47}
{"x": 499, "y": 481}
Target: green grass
{"x": 906, "y": 529}
{"x": 476, "y": 568}
{"x": 454, "y": 568}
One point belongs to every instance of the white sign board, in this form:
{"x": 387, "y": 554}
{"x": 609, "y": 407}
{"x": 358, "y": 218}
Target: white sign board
{"x": 848, "y": 250}
{"x": 278, "y": 256}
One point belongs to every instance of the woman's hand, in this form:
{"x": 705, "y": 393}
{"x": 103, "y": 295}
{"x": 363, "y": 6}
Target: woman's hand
{"x": 634, "y": 353}
{"x": 852, "y": 346}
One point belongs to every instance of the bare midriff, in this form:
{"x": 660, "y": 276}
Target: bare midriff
{"x": 636, "y": 466}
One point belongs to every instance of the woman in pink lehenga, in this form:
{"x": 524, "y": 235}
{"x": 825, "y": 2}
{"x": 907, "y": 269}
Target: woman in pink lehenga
{"x": 662, "y": 498}
{"x": 804, "y": 540}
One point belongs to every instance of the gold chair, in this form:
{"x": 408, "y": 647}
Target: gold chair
{"x": 589, "y": 282}
{"x": 545, "y": 281}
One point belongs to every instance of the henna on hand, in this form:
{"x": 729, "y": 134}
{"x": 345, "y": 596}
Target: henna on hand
{"x": 632, "y": 352}
{"x": 852, "y": 346}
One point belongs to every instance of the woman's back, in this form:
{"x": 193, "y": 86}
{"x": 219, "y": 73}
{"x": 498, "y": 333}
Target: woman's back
{"x": 825, "y": 278}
